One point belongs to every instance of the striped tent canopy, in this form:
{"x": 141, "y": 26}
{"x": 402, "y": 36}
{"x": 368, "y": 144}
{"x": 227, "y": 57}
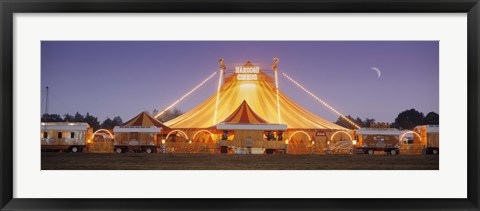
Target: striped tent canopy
{"x": 244, "y": 118}
{"x": 145, "y": 120}
{"x": 244, "y": 115}
{"x": 261, "y": 97}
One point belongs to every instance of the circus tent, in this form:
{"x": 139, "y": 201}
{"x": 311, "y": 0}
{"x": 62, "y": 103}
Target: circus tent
{"x": 260, "y": 95}
{"x": 143, "y": 122}
{"x": 140, "y": 134}
{"x": 244, "y": 118}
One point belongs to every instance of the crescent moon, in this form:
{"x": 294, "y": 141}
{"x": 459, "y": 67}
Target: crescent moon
{"x": 379, "y": 73}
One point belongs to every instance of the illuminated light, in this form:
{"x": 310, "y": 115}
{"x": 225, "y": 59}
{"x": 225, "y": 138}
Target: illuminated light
{"x": 313, "y": 142}
{"x": 247, "y": 86}
{"x": 340, "y": 131}
{"x": 286, "y": 141}
{"x": 179, "y": 131}
{"x": 89, "y": 141}
{"x": 328, "y": 142}
{"x": 247, "y": 70}
{"x": 163, "y": 141}
{"x": 247, "y": 77}
{"x": 411, "y": 132}
{"x": 217, "y": 97}
{"x": 247, "y": 73}
{"x": 300, "y": 131}
{"x": 278, "y": 98}
{"x": 321, "y": 101}
{"x": 186, "y": 95}
{"x": 211, "y": 134}
{"x": 102, "y": 130}
{"x": 354, "y": 142}
{"x": 190, "y": 142}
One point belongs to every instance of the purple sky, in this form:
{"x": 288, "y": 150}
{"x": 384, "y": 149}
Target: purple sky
{"x": 123, "y": 78}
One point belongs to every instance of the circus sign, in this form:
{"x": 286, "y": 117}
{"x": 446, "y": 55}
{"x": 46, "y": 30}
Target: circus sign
{"x": 253, "y": 69}
{"x": 247, "y": 77}
{"x": 247, "y": 73}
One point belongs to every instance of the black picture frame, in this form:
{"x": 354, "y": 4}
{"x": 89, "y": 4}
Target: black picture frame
{"x": 9, "y": 7}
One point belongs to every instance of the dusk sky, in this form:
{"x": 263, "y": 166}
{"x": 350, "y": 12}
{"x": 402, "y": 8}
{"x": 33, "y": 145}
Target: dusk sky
{"x": 124, "y": 78}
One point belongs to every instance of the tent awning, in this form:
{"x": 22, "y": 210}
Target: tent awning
{"x": 224, "y": 126}
{"x": 121, "y": 129}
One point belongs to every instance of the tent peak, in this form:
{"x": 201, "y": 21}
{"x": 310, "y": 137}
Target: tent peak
{"x": 244, "y": 114}
{"x": 248, "y": 64}
{"x": 143, "y": 119}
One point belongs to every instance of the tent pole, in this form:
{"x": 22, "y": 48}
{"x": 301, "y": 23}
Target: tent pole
{"x": 275, "y": 70}
{"x": 222, "y": 70}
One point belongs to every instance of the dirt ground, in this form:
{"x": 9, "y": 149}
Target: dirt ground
{"x": 141, "y": 161}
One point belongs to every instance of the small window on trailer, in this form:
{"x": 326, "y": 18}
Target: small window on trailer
{"x": 45, "y": 135}
{"x": 72, "y": 134}
{"x": 59, "y": 135}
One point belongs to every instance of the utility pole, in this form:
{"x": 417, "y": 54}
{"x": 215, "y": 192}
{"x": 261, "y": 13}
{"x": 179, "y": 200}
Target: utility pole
{"x": 46, "y": 103}
{"x": 45, "y": 133}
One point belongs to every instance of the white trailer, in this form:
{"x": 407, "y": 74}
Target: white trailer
{"x": 64, "y": 136}
{"x": 136, "y": 139}
{"x": 370, "y": 140}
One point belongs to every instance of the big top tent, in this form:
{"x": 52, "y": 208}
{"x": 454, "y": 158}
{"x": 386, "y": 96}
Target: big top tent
{"x": 259, "y": 91}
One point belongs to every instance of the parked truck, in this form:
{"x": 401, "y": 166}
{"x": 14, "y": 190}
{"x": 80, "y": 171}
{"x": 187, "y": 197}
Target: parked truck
{"x": 137, "y": 139}
{"x": 64, "y": 136}
{"x": 370, "y": 140}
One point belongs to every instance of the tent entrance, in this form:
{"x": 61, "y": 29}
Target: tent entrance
{"x": 253, "y": 142}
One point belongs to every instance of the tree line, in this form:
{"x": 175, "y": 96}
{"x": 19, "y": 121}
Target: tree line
{"x": 405, "y": 120}
{"x": 88, "y": 118}
{"x": 108, "y": 123}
